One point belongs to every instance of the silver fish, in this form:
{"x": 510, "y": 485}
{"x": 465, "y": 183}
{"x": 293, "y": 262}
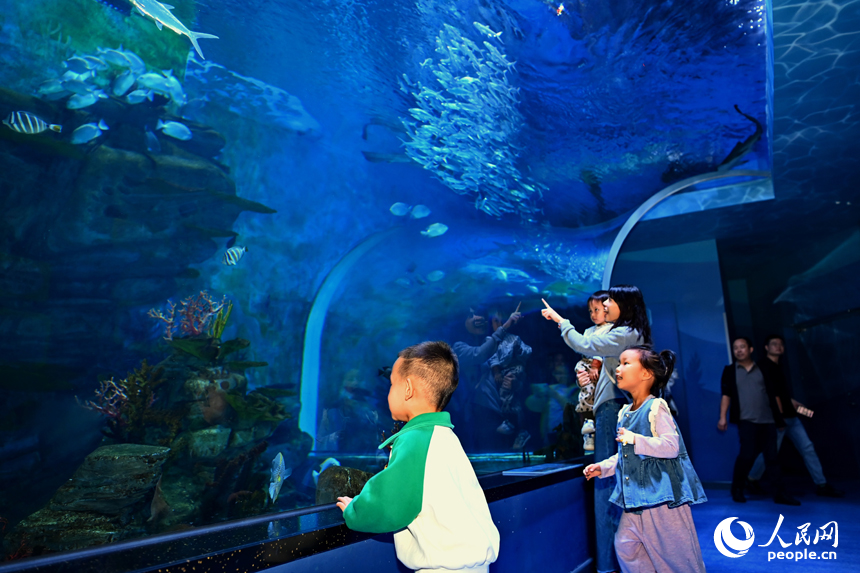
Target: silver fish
{"x": 123, "y": 83}
{"x": 174, "y": 129}
{"x": 78, "y": 65}
{"x": 435, "y": 230}
{"x": 399, "y": 209}
{"x": 86, "y": 100}
{"x": 329, "y": 462}
{"x": 88, "y": 132}
{"x": 114, "y": 58}
{"x": 24, "y": 122}
{"x": 420, "y": 211}
{"x": 435, "y": 276}
{"x": 163, "y": 17}
{"x": 486, "y": 30}
{"x": 152, "y": 143}
{"x": 77, "y": 86}
{"x": 233, "y": 255}
{"x": 137, "y": 96}
{"x": 279, "y": 474}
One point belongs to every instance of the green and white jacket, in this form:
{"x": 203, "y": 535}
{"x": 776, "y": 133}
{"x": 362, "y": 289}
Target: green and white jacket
{"x": 429, "y": 495}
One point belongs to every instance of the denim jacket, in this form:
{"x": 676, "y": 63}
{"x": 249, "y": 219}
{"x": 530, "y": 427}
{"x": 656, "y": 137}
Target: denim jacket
{"x": 645, "y": 481}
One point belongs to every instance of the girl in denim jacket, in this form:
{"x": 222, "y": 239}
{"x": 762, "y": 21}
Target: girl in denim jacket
{"x": 656, "y": 482}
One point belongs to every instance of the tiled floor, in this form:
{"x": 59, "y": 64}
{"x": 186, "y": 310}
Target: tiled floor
{"x": 762, "y": 514}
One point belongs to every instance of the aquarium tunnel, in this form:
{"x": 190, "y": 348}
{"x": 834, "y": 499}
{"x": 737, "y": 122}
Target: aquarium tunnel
{"x": 221, "y": 222}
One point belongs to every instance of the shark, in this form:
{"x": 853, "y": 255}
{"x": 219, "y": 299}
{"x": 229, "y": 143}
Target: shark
{"x": 163, "y": 17}
{"x": 742, "y": 148}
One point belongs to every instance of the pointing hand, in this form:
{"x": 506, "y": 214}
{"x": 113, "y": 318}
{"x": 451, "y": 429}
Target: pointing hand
{"x": 549, "y": 314}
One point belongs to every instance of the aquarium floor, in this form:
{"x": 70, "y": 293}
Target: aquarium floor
{"x": 762, "y": 514}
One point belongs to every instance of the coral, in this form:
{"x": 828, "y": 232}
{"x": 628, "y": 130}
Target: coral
{"x": 193, "y": 316}
{"x": 127, "y": 405}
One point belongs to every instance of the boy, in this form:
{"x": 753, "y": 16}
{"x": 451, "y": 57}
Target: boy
{"x": 428, "y": 493}
{"x": 592, "y": 365}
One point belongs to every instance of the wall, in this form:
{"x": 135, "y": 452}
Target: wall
{"x": 683, "y": 292}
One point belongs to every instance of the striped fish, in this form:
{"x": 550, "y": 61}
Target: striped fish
{"x": 24, "y": 122}
{"x": 233, "y": 254}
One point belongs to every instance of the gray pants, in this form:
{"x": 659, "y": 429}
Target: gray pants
{"x": 659, "y": 540}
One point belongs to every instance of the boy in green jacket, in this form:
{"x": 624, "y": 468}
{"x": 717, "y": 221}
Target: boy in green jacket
{"x": 428, "y": 493}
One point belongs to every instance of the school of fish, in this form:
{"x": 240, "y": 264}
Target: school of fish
{"x": 464, "y": 123}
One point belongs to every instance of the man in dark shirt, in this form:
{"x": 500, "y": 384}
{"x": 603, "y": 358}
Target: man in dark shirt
{"x": 751, "y": 401}
{"x": 775, "y": 347}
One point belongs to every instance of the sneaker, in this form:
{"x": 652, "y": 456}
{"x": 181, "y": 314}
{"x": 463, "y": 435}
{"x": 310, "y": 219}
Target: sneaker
{"x": 738, "y": 497}
{"x": 521, "y": 440}
{"x": 827, "y": 490}
{"x": 587, "y": 427}
{"x": 588, "y": 442}
{"x": 754, "y": 487}
{"x": 505, "y": 428}
{"x": 783, "y": 499}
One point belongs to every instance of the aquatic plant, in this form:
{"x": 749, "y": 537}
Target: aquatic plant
{"x": 127, "y": 405}
{"x": 193, "y": 316}
{"x": 216, "y": 327}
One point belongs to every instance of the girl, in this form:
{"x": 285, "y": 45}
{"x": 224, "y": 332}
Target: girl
{"x": 656, "y": 481}
{"x": 625, "y": 308}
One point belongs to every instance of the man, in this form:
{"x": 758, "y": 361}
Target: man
{"x": 774, "y": 345}
{"x": 471, "y": 355}
{"x": 751, "y": 401}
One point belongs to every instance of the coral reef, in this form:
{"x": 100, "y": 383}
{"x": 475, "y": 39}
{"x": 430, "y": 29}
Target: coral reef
{"x": 195, "y": 315}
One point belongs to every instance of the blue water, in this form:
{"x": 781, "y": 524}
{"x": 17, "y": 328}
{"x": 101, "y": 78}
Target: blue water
{"x": 304, "y": 108}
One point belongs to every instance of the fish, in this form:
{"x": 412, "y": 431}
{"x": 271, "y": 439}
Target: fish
{"x": 123, "y": 83}
{"x": 137, "y": 96}
{"x": 403, "y": 282}
{"x": 162, "y": 15}
{"x": 559, "y": 10}
{"x": 435, "y": 230}
{"x": 420, "y": 211}
{"x": 154, "y": 82}
{"x": 174, "y": 129}
{"x": 81, "y": 101}
{"x": 329, "y": 462}
{"x": 435, "y": 276}
{"x": 88, "y": 132}
{"x": 153, "y": 145}
{"x": 234, "y": 255}
{"x": 279, "y": 474}
{"x": 25, "y": 122}
{"x": 399, "y": 209}
{"x": 486, "y": 30}
{"x": 137, "y": 65}
{"x": 533, "y": 288}
{"x": 52, "y": 89}
{"x": 114, "y": 57}
{"x": 742, "y": 148}
{"x": 77, "y": 86}
{"x": 159, "y": 507}
{"x": 77, "y": 65}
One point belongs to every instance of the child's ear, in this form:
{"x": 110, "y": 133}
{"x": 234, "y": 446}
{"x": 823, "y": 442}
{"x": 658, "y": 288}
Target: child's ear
{"x": 410, "y": 389}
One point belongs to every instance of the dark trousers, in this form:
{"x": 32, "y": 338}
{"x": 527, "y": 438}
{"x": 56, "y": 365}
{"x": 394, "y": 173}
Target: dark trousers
{"x": 757, "y": 439}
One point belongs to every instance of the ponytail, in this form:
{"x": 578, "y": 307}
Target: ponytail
{"x": 660, "y": 365}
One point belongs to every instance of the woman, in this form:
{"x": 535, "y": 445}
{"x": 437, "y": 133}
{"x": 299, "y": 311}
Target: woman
{"x": 625, "y": 308}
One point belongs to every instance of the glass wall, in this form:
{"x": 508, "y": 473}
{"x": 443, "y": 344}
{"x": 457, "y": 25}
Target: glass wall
{"x": 213, "y": 248}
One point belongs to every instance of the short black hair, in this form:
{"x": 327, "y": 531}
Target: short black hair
{"x": 436, "y": 365}
{"x": 598, "y": 296}
{"x": 744, "y": 338}
{"x": 772, "y": 337}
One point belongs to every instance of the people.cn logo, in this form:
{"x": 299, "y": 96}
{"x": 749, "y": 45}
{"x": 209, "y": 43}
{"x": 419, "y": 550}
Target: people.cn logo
{"x": 727, "y": 543}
